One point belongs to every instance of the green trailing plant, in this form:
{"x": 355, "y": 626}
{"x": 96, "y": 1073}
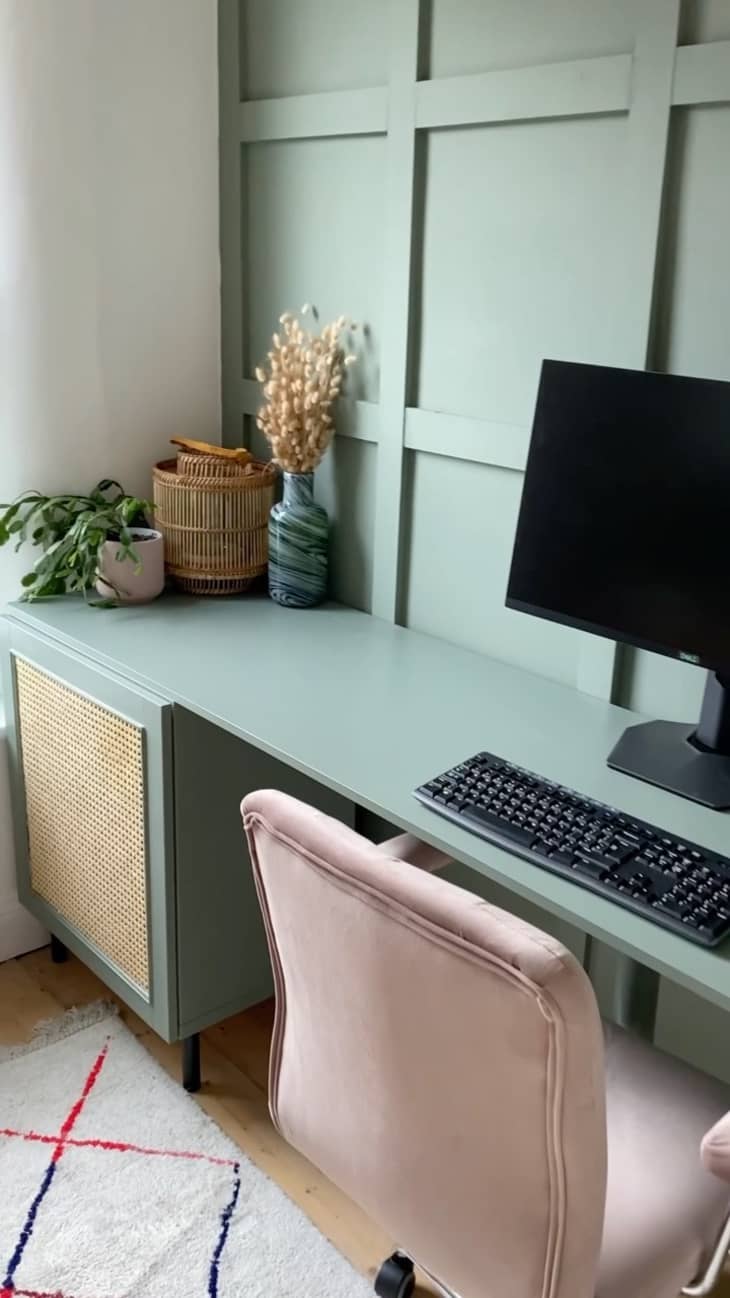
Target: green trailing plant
{"x": 70, "y": 531}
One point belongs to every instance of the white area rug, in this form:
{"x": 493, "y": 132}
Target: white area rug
{"x": 114, "y": 1184}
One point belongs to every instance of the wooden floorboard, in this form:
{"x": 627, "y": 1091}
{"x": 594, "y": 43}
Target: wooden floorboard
{"x": 235, "y": 1067}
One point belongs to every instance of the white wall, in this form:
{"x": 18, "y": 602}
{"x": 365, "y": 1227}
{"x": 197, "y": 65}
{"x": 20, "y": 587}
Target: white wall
{"x": 109, "y": 269}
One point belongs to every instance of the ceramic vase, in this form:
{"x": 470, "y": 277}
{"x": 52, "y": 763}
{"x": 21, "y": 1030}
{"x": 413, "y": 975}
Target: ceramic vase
{"x": 120, "y": 580}
{"x": 298, "y": 545}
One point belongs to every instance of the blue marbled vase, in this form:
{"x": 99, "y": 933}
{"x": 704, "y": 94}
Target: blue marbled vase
{"x": 298, "y": 545}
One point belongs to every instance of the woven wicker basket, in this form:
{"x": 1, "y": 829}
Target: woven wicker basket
{"x": 195, "y": 465}
{"x": 214, "y": 517}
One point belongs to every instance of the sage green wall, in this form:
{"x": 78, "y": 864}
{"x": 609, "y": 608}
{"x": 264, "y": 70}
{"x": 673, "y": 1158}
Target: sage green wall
{"x": 483, "y": 183}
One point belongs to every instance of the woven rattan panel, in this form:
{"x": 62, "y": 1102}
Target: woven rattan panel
{"x": 83, "y": 768}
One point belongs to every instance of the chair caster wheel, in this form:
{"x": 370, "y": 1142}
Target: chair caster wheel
{"x": 395, "y": 1279}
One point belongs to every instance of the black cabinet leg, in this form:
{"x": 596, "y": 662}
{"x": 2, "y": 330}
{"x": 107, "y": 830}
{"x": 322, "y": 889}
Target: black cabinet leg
{"x": 191, "y": 1062}
{"x": 59, "y": 953}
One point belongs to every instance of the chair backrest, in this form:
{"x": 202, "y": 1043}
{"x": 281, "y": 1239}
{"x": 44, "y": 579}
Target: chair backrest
{"x": 438, "y": 1059}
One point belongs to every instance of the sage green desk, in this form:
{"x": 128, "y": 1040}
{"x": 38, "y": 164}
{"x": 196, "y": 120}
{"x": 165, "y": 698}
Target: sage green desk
{"x": 347, "y": 711}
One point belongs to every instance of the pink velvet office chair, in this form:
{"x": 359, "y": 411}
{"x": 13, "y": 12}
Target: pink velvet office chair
{"x": 445, "y": 1064}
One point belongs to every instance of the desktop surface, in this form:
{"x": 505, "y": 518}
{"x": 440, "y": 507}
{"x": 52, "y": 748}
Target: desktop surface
{"x": 372, "y": 710}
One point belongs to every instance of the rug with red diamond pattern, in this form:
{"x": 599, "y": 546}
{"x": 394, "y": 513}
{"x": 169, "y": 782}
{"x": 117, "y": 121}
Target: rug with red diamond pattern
{"x": 114, "y": 1184}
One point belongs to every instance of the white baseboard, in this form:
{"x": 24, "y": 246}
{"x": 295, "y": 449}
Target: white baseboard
{"x": 19, "y": 932}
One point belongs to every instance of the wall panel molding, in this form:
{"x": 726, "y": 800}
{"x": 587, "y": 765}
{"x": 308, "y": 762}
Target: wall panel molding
{"x": 651, "y": 100}
{"x": 404, "y": 48}
{"x": 304, "y": 117}
{"x": 579, "y": 88}
{"x": 482, "y": 441}
{"x": 231, "y": 216}
{"x": 702, "y": 74}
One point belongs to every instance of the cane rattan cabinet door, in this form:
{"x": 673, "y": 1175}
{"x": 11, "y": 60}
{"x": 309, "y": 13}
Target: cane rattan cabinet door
{"x": 92, "y": 819}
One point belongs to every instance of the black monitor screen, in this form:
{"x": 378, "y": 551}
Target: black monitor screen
{"x": 624, "y": 526}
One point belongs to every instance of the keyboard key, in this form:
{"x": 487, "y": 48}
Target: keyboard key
{"x": 500, "y": 827}
{"x": 560, "y": 857}
{"x": 618, "y": 852}
{"x": 589, "y": 864}
{"x": 628, "y": 838}
{"x": 669, "y": 904}
{"x": 713, "y": 927}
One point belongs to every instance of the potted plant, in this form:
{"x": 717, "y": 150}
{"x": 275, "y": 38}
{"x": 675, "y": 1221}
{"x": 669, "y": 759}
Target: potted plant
{"x": 97, "y": 542}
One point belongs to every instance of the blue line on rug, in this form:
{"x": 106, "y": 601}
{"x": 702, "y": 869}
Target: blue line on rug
{"x": 8, "y": 1285}
{"x": 25, "y": 1234}
{"x": 226, "y": 1215}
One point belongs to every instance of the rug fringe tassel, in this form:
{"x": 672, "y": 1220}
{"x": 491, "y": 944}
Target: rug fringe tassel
{"x": 50, "y": 1031}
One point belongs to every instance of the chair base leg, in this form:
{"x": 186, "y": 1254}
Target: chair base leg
{"x": 59, "y": 953}
{"x": 395, "y": 1279}
{"x": 191, "y": 1062}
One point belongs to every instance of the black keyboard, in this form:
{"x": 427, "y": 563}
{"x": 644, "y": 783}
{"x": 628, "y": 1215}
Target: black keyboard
{"x": 675, "y": 883}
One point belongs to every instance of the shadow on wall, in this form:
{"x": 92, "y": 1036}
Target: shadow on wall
{"x": 19, "y": 931}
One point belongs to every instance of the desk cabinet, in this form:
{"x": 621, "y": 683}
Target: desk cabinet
{"x": 93, "y": 817}
{"x": 128, "y": 835}
{"x": 136, "y": 732}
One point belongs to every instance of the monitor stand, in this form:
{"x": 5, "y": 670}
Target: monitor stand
{"x": 693, "y": 761}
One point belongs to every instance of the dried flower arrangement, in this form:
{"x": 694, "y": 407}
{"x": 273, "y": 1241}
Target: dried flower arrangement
{"x": 304, "y": 377}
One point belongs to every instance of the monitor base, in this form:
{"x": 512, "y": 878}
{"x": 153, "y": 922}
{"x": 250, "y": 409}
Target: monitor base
{"x": 665, "y": 753}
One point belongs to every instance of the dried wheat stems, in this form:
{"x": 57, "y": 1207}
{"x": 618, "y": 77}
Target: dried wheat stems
{"x": 302, "y": 379}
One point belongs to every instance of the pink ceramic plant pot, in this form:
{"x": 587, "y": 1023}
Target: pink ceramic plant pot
{"x": 118, "y": 578}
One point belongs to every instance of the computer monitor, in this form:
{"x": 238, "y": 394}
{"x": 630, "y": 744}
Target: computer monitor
{"x": 624, "y": 531}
